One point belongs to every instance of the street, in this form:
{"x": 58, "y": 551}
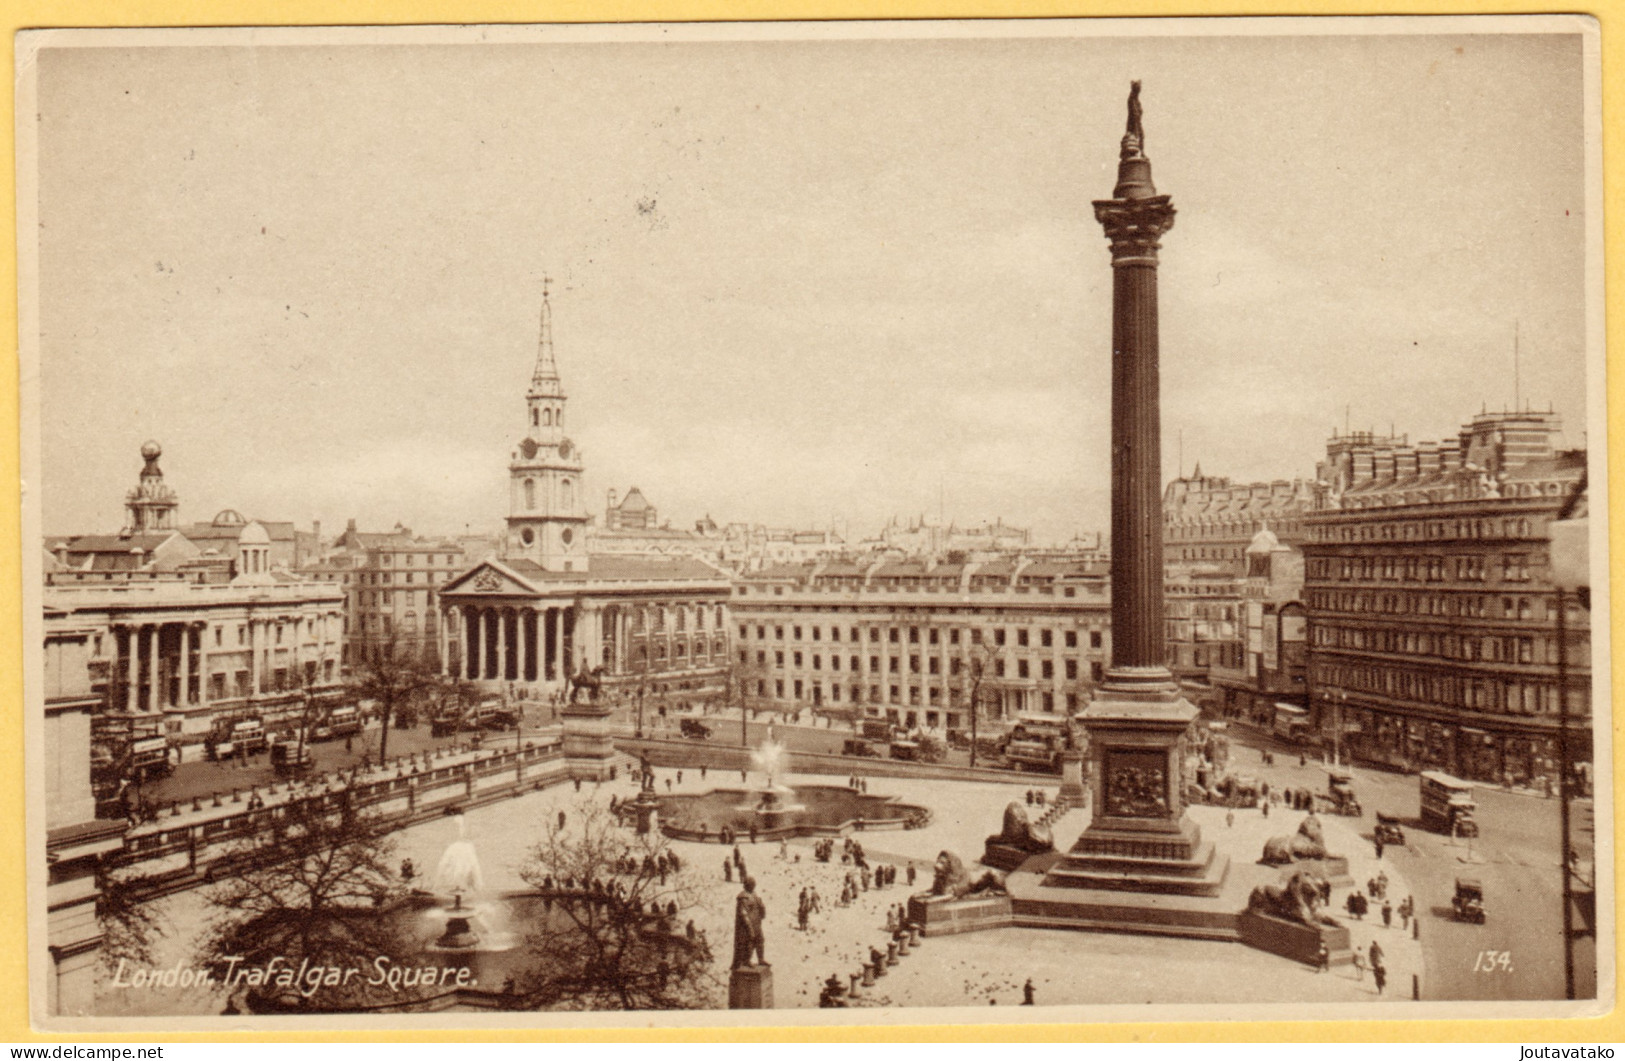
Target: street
{"x": 1515, "y": 857}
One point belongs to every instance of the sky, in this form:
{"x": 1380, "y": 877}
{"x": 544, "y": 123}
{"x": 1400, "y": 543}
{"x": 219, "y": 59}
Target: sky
{"x": 793, "y": 281}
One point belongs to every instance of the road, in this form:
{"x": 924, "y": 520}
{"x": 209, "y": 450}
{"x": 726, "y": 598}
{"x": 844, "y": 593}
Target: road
{"x": 1516, "y": 857}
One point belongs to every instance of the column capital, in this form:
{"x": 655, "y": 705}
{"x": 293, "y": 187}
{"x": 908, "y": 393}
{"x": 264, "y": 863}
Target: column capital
{"x": 1134, "y": 226}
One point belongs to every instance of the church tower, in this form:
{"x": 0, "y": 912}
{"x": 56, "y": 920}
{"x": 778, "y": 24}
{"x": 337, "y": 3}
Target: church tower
{"x": 151, "y": 505}
{"x": 547, "y": 516}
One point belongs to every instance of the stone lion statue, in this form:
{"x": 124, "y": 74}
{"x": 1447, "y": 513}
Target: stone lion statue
{"x": 1297, "y": 899}
{"x": 1308, "y": 843}
{"x": 953, "y": 880}
{"x": 1021, "y": 832}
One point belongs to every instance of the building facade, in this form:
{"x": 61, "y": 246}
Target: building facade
{"x": 547, "y": 608}
{"x": 1433, "y": 628}
{"x": 912, "y": 641}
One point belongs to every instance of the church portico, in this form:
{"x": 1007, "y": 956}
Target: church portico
{"x": 546, "y": 610}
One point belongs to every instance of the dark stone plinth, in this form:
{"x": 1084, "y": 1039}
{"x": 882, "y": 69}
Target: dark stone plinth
{"x": 939, "y": 915}
{"x": 1005, "y": 856}
{"x": 751, "y": 987}
{"x": 1335, "y": 868}
{"x": 1294, "y": 939}
{"x": 647, "y": 809}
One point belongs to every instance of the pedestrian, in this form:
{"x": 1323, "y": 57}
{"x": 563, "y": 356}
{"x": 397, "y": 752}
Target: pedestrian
{"x": 679, "y": 777}
{"x": 1264, "y": 805}
{"x": 1378, "y": 842}
{"x": 1323, "y": 960}
{"x": 1359, "y": 966}
{"x": 1027, "y": 992}
{"x": 578, "y": 784}
{"x": 561, "y": 816}
{"x": 1229, "y": 819}
{"x": 1375, "y": 954}
{"x": 668, "y": 784}
{"x": 1380, "y": 975}
{"x": 702, "y": 771}
{"x": 728, "y": 870}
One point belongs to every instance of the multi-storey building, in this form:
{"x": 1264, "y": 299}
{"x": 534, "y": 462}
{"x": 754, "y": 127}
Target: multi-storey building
{"x": 178, "y": 639}
{"x": 911, "y": 641}
{"x": 1433, "y": 623}
{"x": 1214, "y": 601}
{"x": 548, "y": 608}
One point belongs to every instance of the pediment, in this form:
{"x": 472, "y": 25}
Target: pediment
{"x": 490, "y": 578}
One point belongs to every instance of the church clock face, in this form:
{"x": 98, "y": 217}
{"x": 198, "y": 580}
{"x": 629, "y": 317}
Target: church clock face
{"x": 528, "y": 448}
{"x": 565, "y": 449}
{"x": 567, "y": 536}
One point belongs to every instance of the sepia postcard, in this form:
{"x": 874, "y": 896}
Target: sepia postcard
{"x": 814, "y": 524}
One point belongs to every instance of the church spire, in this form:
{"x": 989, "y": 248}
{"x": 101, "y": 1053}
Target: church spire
{"x": 544, "y": 383}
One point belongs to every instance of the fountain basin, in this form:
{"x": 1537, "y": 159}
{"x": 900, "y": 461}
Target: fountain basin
{"x": 818, "y": 810}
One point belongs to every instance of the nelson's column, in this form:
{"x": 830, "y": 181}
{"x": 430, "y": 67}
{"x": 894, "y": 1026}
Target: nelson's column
{"x": 1140, "y": 839}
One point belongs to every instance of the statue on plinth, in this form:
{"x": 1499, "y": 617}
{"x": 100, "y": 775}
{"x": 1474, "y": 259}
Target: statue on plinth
{"x": 749, "y": 912}
{"x": 1306, "y": 844}
{"x": 952, "y": 880}
{"x": 1022, "y": 833}
{"x": 1298, "y": 899}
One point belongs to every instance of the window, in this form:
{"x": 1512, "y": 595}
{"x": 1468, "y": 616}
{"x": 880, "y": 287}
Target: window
{"x": 998, "y": 636}
{"x": 798, "y": 633}
{"x": 896, "y": 665}
{"x": 1021, "y": 638}
{"x": 953, "y": 636}
{"x": 778, "y": 633}
{"x": 778, "y": 659}
{"x": 1046, "y": 638}
{"x": 798, "y": 659}
{"x": 1071, "y": 639}
{"x": 1047, "y": 669}
{"x": 818, "y": 662}
{"x": 1094, "y": 639}
{"x": 1021, "y": 668}
{"x": 1071, "y": 670}
{"x": 893, "y": 635}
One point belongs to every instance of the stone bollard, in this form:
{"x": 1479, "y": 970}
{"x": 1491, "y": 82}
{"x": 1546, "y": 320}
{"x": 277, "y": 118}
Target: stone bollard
{"x": 217, "y": 799}
{"x": 1416, "y": 988}
{"x": 174, "y": 809}
{"x": 1416, "y": 928}
{"x": 902, "y": 943}
{"x": 236, "y": 796}
{"x": 856, "y": 978}
{"x": 868, "y": 975}
{"x": 913, "y": 934}
{"x": 891, "y": 952}
{"x": 197, "y": 803}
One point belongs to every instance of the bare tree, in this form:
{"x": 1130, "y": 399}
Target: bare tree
{"x": 392, "y": 673}
{"x": 127, "y": 921}
{"x": 981, "y": 662}
{"x": 615, "y": 935}
{"x": 311, "y": 894}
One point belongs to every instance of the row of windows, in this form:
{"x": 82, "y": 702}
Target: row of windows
{"x": 895, "y": 635}
{"x": 911, "y": 696}
{"x": 1426, "y": 530}
{"x": 1449, "y": 605}
{"x": 1447, "y": 646}
{"x": 984, "y": 584}
{"x": 1020, "y": 668}
{"x": 1441, "y": 689}
{"x": 1513, "y": 567}
{"x": 407, "y": 578}
{"x": 655, "y": 617}
{"x": 409, "y": 559}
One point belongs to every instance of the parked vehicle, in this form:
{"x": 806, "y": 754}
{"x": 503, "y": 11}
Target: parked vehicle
{"x": 247, "y": 736}
{"x": 1340, "y": 792}
{"x": 492, "y": 715}
{"x": 291, "y": 759}
{"x": 1447, "y": 805}
{"x": 445, "y": 725}
{"x": 149, "y": 759}
{"x": 694, "y": 728}
{"x": 344, "y": 720}
{"x": 1468, "y": 902}
{"x": 860, "y": 748}
{"x": 1388, "y": 829}
{"x": 1036, "y": 744}
{"x": 905, "y": 750}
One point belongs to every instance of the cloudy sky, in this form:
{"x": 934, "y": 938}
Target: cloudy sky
{"x": 793, "y": 281}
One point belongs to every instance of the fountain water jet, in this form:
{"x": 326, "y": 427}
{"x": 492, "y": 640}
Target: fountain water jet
{"x": 458, "y": 874}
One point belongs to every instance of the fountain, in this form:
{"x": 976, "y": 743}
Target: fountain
{"x": 770, "y": 807}
{"x": 774, "y": 810}
{"x": 458, "y": 874}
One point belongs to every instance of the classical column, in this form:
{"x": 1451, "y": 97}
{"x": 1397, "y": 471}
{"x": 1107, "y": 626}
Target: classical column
{"x": 154, "y": 697}
{"x": 203, "y": 664}
{"x": 132, "y": 667}
{"x": 185, "y": 697}
{"x": 560, "y": 664}
{"x": 502, "y": 643}
{"x": 442, "y": 643}
{"x": 1134, "y": 219}
{"x": 473, "y": 644}
{"x": 253, "y": 657}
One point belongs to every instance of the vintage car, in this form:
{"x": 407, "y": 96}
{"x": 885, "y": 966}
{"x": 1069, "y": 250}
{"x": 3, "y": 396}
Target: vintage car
{"x": 1388, "y": 830}
{"x": 693, "y": 727}
{"x": 1469, "y": 901}
{"x": 445, "y": 725}
{"x": 861, "y": 748}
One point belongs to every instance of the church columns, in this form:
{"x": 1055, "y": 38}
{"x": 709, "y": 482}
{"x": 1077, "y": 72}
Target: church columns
{"x": 502, "y": 644}
{"x": 560, "y": 664}
{"x": 154, "y": 692}
{"x": 132, "y": 666}
{"x": 185, "y": 696}
{"x": 474, "y": 644}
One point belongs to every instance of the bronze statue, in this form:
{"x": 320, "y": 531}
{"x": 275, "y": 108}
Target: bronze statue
{"x": 749, "y": 912}
{"x": 1022, "y": 833}
{"x": 953, "y": 881}
{"x": 590, "y": 680}
{"x": 1307, "y": 843}
{"x": 1296, "y": 899}
{"x": 1135, "y": 129}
